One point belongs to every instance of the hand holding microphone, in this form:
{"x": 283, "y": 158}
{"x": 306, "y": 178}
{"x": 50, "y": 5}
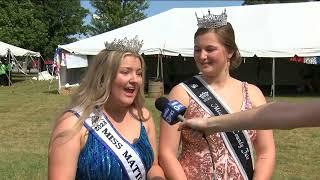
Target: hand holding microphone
{"x": 171, "y": 111}
{"x": 199, "y": 124}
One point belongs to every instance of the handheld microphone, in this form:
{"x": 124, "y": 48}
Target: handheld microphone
{"x": 171, "y": 111}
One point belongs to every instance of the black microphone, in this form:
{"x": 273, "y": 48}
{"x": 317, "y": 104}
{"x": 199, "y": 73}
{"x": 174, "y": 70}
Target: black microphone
{"x": 161, "y": 103}
{"x": 171, "y": 111}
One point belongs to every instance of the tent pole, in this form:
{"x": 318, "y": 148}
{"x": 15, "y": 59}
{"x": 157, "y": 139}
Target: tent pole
{"x": 59, "y": 82}
{"x": 161, "y": 63}
{"x": 38, "y": 62}
{"x": 9, "y": 75}
{"x": 273, "y": 77}
{"x": 59, "y": 58}
{"x": 162, "y": 80}
{"x": 258, "y": 71}
{"x": 158, "y": 66}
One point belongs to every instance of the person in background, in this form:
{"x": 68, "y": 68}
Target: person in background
{"x": 3, "y": 76}
{"x": 214, "y": 91}
{"x": 277, "y": 115}
{"x": 106, "y": 132}
{"x": 8, "y": 73}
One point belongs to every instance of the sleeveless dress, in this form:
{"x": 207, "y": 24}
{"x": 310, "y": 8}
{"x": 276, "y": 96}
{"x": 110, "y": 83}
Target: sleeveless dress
{"x": 98, "y": 163}
{"x": 195, "y": 157}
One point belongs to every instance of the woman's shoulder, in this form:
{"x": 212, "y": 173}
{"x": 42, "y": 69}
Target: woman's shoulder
{"x": 180, "y": 94}
{"x": 253, "y": 89}
{"x": 255, "y": 95}
{"x": 67, "y": 120}
{"x": 65, "y": 125}
{"x": 177, "y": 88}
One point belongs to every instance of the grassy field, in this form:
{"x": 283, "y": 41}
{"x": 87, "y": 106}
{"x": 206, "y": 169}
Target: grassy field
{"x": 28, "y": 110}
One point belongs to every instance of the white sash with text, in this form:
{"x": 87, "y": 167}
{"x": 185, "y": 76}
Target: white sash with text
{"x": 111, "y": 139}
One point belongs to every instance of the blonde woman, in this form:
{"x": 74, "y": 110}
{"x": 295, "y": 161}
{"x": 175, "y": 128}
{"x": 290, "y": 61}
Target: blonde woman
{"x": 106, "y": 132}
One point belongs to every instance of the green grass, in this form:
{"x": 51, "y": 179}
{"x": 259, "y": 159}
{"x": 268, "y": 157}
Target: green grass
{"x": 28, "y": 110}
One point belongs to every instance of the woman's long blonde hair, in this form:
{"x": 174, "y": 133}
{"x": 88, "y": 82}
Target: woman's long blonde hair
{"x": 95, "y": 87}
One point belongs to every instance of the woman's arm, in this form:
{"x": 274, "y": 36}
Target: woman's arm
{"x": 170, "y": 139}
{"x": 276, "y": 115}
{"x": 264, "y": 143}
{"x": 155, "y": 172}
{"x": 64, "y": 150}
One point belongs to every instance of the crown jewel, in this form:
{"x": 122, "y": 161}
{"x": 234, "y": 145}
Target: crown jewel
{"x": 125, "y": 45}
{"x": 212, "y": 21}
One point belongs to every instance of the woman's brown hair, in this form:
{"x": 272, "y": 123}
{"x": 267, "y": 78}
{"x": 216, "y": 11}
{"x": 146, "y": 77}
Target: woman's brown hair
{"x": 227, "y": 39}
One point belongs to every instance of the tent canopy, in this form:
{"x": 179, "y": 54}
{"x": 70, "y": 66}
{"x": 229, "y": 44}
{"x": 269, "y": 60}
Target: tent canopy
{"x": 16, "y": 51}
{"x": 267, "y": 30}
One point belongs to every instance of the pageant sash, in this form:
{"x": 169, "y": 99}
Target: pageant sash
{"x": 110, "y": 138}
{"x": 237, "y": 142}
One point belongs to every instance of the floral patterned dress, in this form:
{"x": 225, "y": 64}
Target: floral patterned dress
{"x": 195, "y": 157}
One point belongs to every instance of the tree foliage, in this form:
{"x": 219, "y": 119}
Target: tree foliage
{"x": 40, "y": 25}
{"x": 19, "y": 26}
{"x": 251, "y": 2}
{"x": 112, "y": 14}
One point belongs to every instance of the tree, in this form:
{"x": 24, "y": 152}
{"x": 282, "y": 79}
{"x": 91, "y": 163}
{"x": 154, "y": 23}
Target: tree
{"x": 41, "y": 25}
{"x": 112, "y": 14}
{"x": 63, "y": 19}
{"x": 19, "y": 26}
{"x": 251, "y": 2}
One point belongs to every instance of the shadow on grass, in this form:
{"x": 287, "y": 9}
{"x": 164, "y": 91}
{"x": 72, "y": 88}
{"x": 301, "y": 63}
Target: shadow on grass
{"x": 19, "y": 77}
{"x": 53, "y": 91}
{"x": 13, "y": 81}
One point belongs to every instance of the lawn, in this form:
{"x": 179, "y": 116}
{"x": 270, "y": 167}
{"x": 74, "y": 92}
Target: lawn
{"x": 28, "y": 110}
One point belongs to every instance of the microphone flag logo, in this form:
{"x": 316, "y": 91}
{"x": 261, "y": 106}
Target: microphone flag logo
{"x": 172, "y": 110}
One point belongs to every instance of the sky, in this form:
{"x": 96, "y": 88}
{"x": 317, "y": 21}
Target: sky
{"x": 158, "y": 6}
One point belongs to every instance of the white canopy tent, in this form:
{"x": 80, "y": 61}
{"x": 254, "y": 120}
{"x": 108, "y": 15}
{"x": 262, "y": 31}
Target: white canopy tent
{"x": 267, "y": 30}
{"x": 10, "y": 51}
{"x": 16, "y": 51}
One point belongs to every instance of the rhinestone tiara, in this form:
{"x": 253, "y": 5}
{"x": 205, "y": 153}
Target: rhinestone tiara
{"x": 212, "y": 21}
{"x": 125, "y": 45}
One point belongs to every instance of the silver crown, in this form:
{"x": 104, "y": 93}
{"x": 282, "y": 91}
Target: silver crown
{"x": 212, "y": 21}
{"x": 125, "y": 45}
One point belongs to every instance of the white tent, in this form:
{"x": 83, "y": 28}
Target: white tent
{"x": 10, "y": 52}
{"x": 16, "y": 51}
{"x": 268, "y": 30}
